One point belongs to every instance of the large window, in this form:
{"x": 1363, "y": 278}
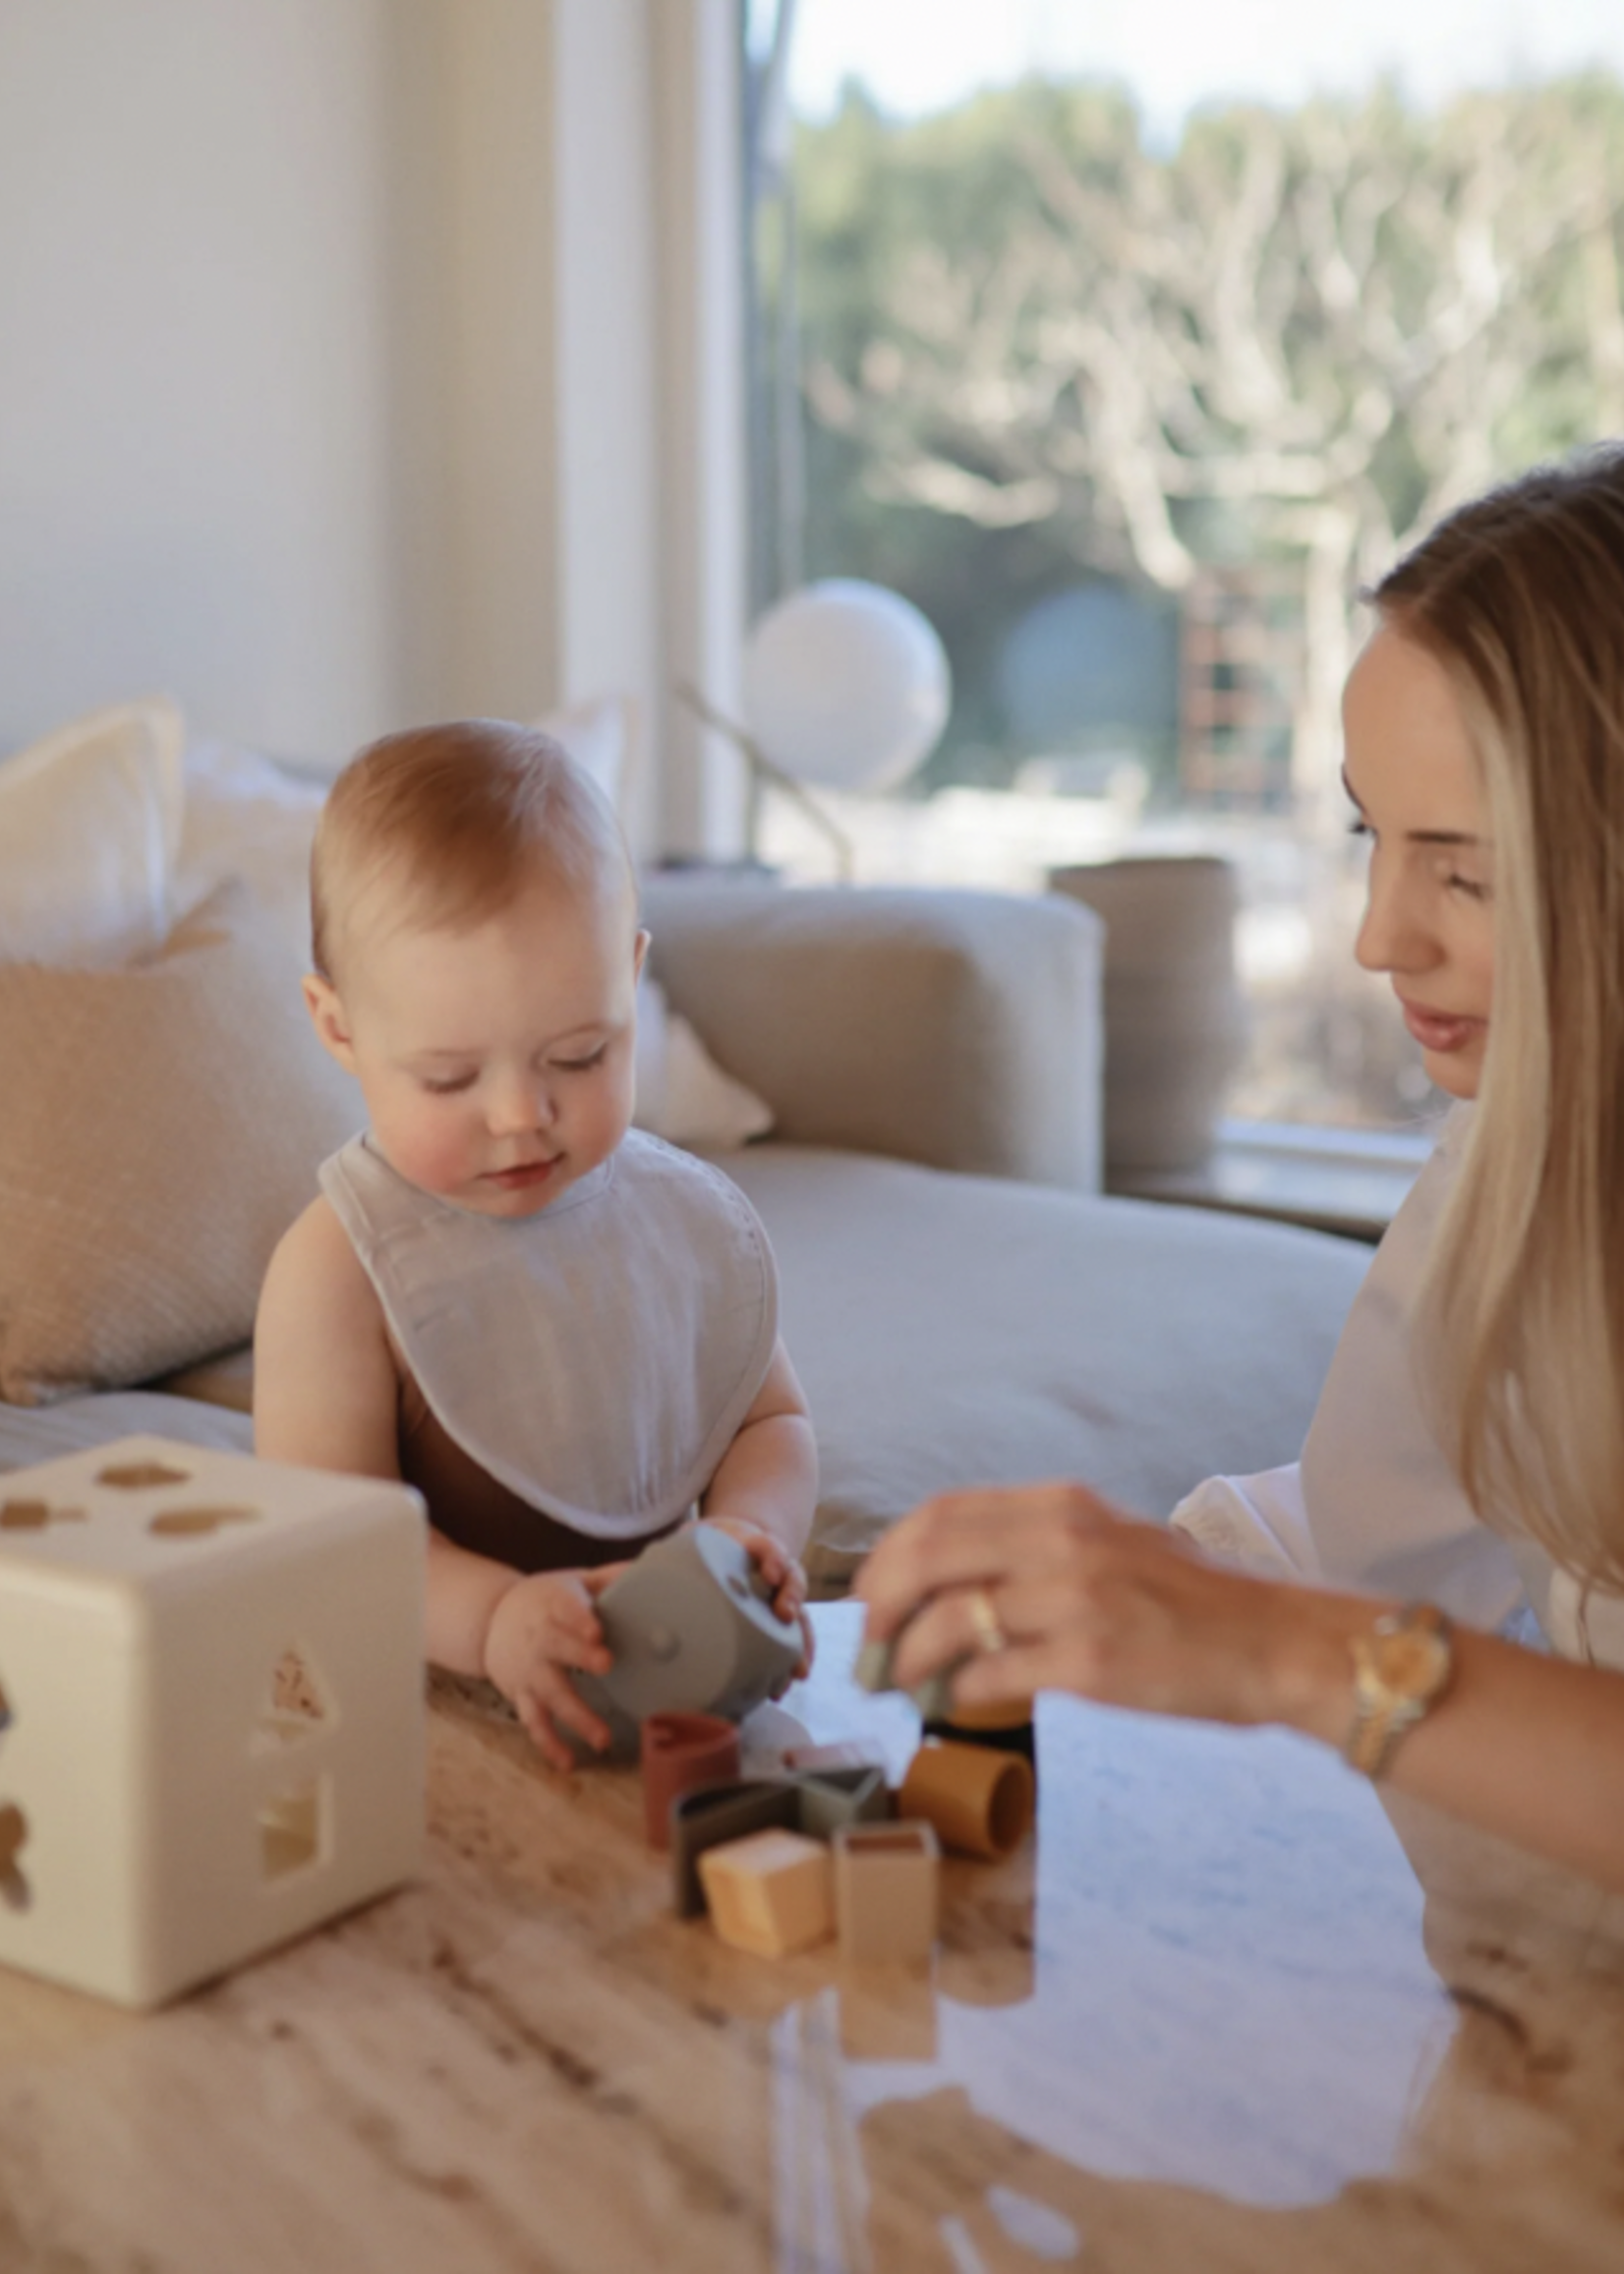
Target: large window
{"x": 1129, "y": 343}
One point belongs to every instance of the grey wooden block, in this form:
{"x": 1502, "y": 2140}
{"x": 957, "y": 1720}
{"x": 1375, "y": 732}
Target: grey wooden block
{"x": 705, "y": 1819}
{"x": 832, "y": 1798}
{"x": 691, "y": 1632}
{"x": 933, "y": 1697}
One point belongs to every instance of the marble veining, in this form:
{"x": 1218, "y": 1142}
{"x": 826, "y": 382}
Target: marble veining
{"x": 1225, "y": 2012}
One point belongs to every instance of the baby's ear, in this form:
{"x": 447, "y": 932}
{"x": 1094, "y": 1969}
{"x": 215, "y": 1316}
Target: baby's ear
{"x": 326, "y": 1015}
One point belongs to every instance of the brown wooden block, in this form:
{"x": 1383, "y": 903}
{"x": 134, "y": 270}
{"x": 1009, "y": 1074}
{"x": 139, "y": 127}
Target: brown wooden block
{"x": 682, "y": 1753}
{"x": 980, "y": 1802}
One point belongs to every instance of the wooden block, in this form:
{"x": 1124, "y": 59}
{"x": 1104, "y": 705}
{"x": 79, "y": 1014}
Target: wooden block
{"x": 682, "y": 1753}
{"x": 715, "y": 1816}
{"x": 934, "y": 1695}
{"x": 212, "y": 1671}
{"x": 885, "y": 1886}
{"x": 817, "y": 1760}
{"x": 837, "y": 1796}
{"x": 772, "y": 1893}
{"x": 979, "y": 1802}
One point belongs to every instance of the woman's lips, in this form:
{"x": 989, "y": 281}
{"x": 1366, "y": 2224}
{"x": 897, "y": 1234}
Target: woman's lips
{"x": 1441, "y": 1031}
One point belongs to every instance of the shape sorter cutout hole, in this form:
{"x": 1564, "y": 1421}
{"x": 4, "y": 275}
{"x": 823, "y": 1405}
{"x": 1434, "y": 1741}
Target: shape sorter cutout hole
{"x": 142, "y": 1476}
{"x": 297, "y": 1706}
{"x": 194, "y": 1523}
{"x": 293, "y": 1829}
{"x": 14, "y": 1890}
{"x": 35, "y": 1515}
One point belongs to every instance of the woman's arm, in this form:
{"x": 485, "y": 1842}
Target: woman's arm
{"x": 1120, "y": 1612}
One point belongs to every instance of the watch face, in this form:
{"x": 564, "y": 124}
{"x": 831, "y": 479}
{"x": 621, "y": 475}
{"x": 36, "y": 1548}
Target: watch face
{"x": 1413, "y": 1661}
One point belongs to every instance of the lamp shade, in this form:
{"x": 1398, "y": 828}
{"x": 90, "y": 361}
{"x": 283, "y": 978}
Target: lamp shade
{"x": 845, "y": 684}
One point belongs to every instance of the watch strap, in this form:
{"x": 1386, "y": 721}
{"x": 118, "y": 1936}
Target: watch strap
{"x": 1383, "y": 1713}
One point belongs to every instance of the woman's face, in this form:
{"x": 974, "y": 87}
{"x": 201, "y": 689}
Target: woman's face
{"x": 1429, "y": 919}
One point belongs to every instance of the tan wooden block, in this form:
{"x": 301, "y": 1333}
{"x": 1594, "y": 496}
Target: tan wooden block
{"x": 886, "y": 1880}
{"x": 772, "y": 1893}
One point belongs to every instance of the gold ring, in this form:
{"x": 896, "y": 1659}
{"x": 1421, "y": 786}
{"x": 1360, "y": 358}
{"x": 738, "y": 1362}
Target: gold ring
{"x": 988, "y": 1631}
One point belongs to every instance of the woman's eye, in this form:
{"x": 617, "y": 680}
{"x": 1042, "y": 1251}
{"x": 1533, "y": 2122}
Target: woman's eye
{"x": 1472, "y": 890}
{"x": 1359, "y": 827}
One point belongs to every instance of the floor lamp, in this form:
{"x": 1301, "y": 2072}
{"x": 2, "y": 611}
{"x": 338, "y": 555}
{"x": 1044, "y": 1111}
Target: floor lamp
{"x": 845, "y": 687}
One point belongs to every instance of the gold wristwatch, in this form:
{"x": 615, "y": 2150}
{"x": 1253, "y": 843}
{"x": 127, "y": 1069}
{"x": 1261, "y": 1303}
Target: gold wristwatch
{"x": 1401, "y": 1669}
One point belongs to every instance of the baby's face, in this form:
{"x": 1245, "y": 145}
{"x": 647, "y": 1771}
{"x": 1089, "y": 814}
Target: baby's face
{"x": 496, "y": 1063}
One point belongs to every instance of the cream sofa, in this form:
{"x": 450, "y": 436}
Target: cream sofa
{"x": 962, "y": 1304}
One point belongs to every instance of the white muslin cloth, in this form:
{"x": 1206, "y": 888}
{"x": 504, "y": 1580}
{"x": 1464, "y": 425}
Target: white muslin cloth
{"x": 1373, "y": 1503}
{"x": 596, "y": 1358}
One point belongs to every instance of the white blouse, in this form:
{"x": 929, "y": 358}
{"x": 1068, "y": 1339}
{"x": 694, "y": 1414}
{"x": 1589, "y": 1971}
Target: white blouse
{"x": 1373, "y": 1503}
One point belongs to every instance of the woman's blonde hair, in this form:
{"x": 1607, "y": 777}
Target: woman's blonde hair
{"x": 1520, "y": 596}
{"x": 456, "y": 819}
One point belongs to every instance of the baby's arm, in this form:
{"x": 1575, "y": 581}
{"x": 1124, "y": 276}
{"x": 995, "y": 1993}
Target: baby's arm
{"x": 326, "y": 1389}
{"x": 765, "y": 1489}
{"x": 327, "y": 1393}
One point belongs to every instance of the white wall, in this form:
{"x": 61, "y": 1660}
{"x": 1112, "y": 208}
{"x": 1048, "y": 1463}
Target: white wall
{"x": 474, "y": 221}
{"x": 592, "y": 531}
{"x": 704, "y": 580}
{"x": 364, "y": 360}
{"x": 192, "y": 359}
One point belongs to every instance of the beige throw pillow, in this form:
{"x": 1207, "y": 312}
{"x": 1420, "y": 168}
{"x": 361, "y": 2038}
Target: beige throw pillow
{"x": 160, "y": 1127}
{"x": 90, "y": 820}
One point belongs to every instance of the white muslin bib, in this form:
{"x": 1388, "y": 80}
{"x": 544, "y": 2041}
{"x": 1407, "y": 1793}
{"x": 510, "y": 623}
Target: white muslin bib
{"x": 1373, "y": 1502}
{"x": 596, "y": 1358}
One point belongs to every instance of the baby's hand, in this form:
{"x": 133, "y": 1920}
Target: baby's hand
{"x": 542, "y": 1627}
{"x": 780, "y": 1573}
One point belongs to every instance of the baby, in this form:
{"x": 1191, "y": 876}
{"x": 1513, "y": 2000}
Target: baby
{"x": 562, "y": 1331}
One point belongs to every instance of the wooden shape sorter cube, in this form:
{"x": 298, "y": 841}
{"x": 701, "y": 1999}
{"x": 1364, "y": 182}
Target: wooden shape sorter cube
{"x": 212, "y": 1734}
{"x": 772, "y": 1893}
{"x": 886, "y": 1891}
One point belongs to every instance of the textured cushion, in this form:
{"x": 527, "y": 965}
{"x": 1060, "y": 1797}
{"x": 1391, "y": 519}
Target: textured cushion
{"x": 246, "y": 816}
{"x": 682, "y": 1094}
{"x": 90, "y": 821}
{"x": 30, "y": 1434}
{"x": 958, "y": 1028}
{"x": 956, "y": 1330}
{"x": 160, "y": 1126}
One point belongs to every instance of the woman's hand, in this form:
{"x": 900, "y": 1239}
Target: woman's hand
{"x": 1086, "y": 1598}
{"x": 540, "y": 1628}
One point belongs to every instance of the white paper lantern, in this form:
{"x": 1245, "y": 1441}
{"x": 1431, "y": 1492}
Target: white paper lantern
{"x": 845, "y": 684}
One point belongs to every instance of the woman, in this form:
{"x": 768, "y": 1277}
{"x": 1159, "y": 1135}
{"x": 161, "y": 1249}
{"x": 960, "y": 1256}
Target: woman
{"x": 1470, "y": 1443}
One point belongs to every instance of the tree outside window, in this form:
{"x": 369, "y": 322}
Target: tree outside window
{"x": 1134, "y": 415}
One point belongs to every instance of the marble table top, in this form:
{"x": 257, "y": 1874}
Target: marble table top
{"x": 1225, "y": 2012}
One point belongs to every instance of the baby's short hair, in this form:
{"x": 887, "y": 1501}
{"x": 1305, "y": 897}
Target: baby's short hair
{"x": 455, "y": 818}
